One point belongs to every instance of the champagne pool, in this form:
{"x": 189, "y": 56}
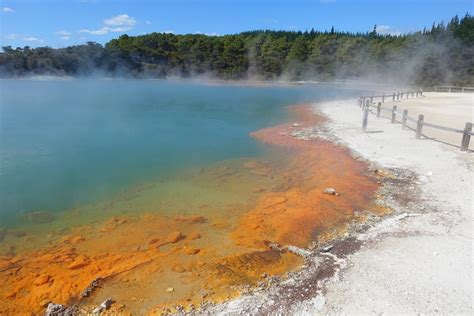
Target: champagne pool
{"x": 167, "y": 191}
{"x": 69, "y": 142}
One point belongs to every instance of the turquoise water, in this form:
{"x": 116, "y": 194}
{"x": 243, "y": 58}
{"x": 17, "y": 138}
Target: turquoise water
{"x": 64, "y": 143}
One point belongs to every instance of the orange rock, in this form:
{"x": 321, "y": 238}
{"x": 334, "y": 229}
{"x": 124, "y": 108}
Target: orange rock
{"x": 44, "y": 303}
{"x": 66, "y": 239}
{"x": 76, "y": 239}
{"x": 79, "y": 262}
{"x": 112, "y": 224}
{"x": 191, "y": 219}
{"x": 77, "y": 265}
{"x": 153, "y": 241}
{"x": 192, "y": 251}
{"x": 174, "y": 237}
{"x": 42, "y": 279}
{"x": 194, "y": 236}
{"x": 179, "y": 268}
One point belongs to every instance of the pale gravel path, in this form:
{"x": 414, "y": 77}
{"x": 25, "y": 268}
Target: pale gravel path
{"x": 423, "y": 264}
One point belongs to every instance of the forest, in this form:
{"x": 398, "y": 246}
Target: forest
{"x": 441, "y": 54}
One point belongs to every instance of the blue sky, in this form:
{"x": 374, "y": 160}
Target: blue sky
{"x": 59, "y": 23}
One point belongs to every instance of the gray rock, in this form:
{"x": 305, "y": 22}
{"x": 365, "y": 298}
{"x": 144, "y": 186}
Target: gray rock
{"x": 327, "y": 248}
{"x": 330, "y": 191}
{"x": 60, "y": 310}
{"x": 107, "y": 303}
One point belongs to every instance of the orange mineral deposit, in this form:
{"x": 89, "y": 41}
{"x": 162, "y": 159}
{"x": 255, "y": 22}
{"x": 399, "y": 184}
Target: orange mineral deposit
{"x": 202, "y": 251}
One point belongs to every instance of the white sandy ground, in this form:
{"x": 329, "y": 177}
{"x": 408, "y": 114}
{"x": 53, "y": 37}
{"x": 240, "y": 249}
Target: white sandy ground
{"x": 418, "y": 261}
{"x": 423, "y": 264}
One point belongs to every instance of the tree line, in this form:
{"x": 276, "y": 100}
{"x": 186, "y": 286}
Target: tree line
{"x": 442, "y": 54}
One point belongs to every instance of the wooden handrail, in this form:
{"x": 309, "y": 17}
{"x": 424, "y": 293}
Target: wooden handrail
{"x": 452, "y": 88}
{"x": 466, "y": 132}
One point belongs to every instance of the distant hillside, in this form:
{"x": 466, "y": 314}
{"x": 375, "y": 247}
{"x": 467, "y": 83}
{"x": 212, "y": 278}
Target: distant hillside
{"x": 443, "y": 54}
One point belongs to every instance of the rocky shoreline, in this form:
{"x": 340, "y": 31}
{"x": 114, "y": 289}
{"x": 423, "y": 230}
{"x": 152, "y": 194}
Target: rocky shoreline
{"x": 303, "y": 290}
{"x": 417, "y": 259}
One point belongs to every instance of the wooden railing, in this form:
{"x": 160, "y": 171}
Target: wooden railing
{"x": 366, "y": 103}
{"x": 453, "y": 89}
{"x": 396, "y": 96}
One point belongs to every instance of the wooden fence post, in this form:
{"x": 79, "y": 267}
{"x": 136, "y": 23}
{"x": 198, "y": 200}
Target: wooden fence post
{"x": 364, "y": 118}
{"x": 383, "y": 97}
{"x": 394, "y": 113}
{"x": 466, "y": 137}
{"x": 393, "y": 97}
{"x": 379, "y": 108}
{"x": 404, "y": 119}
{"x": 372, "y": 99}
{"x": 398, "y": 96}
{"x": 419, "y": 125}
{"x": 401, "y": 95}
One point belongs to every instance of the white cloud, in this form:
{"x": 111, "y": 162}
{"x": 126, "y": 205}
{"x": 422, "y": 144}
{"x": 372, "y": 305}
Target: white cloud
{"x": 101, "y": 31}
{"x": 7, "y": 10}
{"x": 120, "y": 20}
{"x": 65, "y": 38}
{"x": 63, "y": 33}
{"x": 147, "y": 22}
{"x": 387, "y": 30}
{"x": 116, "y": 24}
{"x": 32, "y": 39}
{"x": 105, "y": 29}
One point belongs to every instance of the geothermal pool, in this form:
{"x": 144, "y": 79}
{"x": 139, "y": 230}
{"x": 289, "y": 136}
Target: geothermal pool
{"x": 168, "y": 192}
